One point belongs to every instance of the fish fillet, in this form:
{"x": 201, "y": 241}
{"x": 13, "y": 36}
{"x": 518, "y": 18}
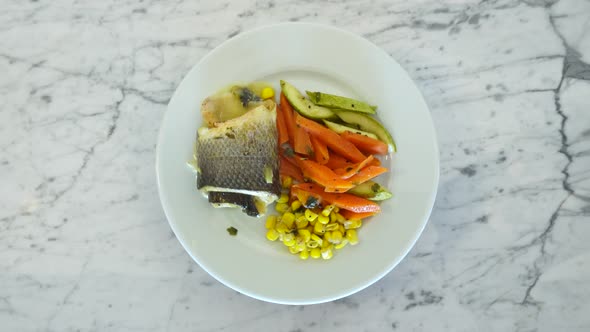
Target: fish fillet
{"x": 240, "y": 156}
{"x": 250, "y": 205}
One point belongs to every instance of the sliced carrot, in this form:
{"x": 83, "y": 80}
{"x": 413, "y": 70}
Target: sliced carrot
{"x": 302, "y": 142}
{"x": 365, "y": 144}
{"x": 343, "y": 201}
{"x": 286, "y": 150}
{"x": 293, "y": 175}
{"x": 367, "y": 174}
{"x": 334, "y": 190}
{"x": 337, "y": 161}
{"x": 286, "y": 159}
{"x": 308, "y": 199}
{"x": 287, "y": 110}
{"x": 320, "y": 150}
{"x": 332, "y": 140}
{"x": 282, "y": 127}
{"x": 356, "y": 215}
{"x": 349, "y": 171}
{"x": 375, "y": 162}
{"x": 322, "y": 174}
{"x": 287, "y": 168}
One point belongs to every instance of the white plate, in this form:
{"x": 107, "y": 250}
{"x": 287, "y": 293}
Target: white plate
{"x": 313, "y": 57}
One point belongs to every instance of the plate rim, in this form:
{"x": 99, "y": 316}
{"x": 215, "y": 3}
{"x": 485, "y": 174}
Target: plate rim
{"x": 354, "y": 289}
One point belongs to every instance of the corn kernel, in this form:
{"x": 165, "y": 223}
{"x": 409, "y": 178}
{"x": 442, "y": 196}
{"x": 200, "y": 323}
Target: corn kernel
{"x": 295, "y": 205}
{"x": 316, "y": 239}
{"x": 305, "y": 235}
{"x": 315, "y": 253}
{"x": 327, "y": 252}
{"x": 359, "y": 223}
{"x": 352, "y": 237}
{"x": 293, "y": 250}
{"x": 271, "y": 221}
{"x": 267, "y": 93}
{"x": 327, "y": 210}
{"x": 332, "y": 227}
{"x": 272, "y": 235}
{"x": 304, "y": 254}
{"x": 341, "y": 244}
{"x": 300, "y": 243}
{"x": 281, "y": 207}
{"x": 341, "y": 228}
{"x": 301, "y": 222}
{"x": 312, "y": 244}
{"x": 319, "y": 228}
{"x": 336, "y": 209}
{"x": 310, "y": 215}
{"x": 288, "y": 219}
{"x": 353, "y": 223}
{"x": 336, "y": 237}
{"x": 289, "y": 240}
{"x": 323, "y": 219}
{"x": 328, "y": 237}
{"x": 340, "y": 218}
{"x": 326, "y": 244}
{"x": 310, "y": 228}
{"x": 287, "y": 182}
{"x": 301, "y": 246}
{"x": 282, "y": 228}
{"x": 283, "y": 199}
{"x": 333, "y": 217}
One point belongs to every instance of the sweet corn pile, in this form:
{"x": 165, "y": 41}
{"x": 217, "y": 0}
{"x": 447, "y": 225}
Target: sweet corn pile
{"x": 311, "y": 233}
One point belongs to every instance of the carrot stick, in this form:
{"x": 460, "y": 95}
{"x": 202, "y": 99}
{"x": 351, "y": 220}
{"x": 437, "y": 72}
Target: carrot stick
{"x": 302, "y": 142}
{"x": 337, "y": 161}
{"x": 356, "y": 215}
{"x": 365, "y": 144}
{"x": 287, "y": 110}
{"x": 349, "y": 171}
{"x": 308, "y": 199}
{"x": 332, "y": 140}
{"x": 334, "y": 190}
{"x": 321, "y": 154}
{"x": 367, "y": 174}
{"x": 287, "y": 168}
{"x": 322, "y": 174}
{"x": 343, "y": 201}
{"x": 291, "y": 173}
{"x": 303, "y": 196}
{"x": 375, "y": 162}
{"x": 282, "y": 127}
{"x": 286, "y": 159}
{"x": 286, "y": 150}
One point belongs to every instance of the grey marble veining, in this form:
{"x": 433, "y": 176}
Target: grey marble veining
{"x": 84, "y": 245}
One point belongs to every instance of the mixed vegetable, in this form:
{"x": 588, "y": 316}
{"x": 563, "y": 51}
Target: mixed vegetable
{"x": 328, "y": 148}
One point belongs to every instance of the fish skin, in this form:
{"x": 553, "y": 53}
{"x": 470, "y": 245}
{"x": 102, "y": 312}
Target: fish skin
{"x": 247, "y": 203}
{"x": 232, "y": 156}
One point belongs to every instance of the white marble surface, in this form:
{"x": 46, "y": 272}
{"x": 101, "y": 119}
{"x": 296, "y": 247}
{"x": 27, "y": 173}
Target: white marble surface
{"x": 84, "y": 245}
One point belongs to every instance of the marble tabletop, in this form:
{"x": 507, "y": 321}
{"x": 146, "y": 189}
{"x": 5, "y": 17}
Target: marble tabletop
{"x": 85, "y": 246}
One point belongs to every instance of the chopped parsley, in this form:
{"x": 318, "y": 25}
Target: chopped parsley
{"x": 232, "y": 231}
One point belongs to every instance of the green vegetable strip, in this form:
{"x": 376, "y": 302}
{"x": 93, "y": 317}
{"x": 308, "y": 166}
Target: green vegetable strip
{"x": 339, "y": 102}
